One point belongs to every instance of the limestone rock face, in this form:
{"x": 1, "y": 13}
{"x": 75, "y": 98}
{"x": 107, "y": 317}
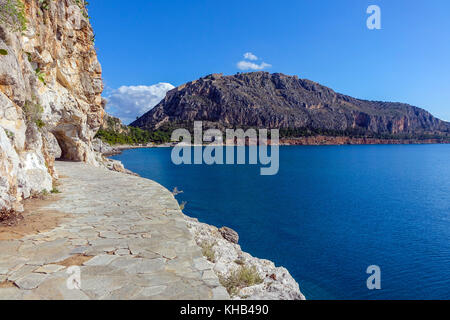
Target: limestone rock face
{"x": 229, "y": 234}
{"x": 114, "y": 124}
{"x": 103, "y": 147}
{"x": 50, "y": 97}
{"x": 277, "y": 283}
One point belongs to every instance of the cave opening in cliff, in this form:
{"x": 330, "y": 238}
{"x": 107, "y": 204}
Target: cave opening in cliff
{"x": 66, "y": 145}
{"x": 62, "y": 145}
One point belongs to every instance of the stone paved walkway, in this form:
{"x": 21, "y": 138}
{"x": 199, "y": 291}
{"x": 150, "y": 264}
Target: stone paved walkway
{"x": 132, "y": 231}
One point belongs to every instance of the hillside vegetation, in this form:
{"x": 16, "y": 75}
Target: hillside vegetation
{"x": 114, "y": 132}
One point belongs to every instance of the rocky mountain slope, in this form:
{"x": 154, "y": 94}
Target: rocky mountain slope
{"x": 114, "y": 132}
{"x": 299, "y": 107}
{"x": 50, "y": 93}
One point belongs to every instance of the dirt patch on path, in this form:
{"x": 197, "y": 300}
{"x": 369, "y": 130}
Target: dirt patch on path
{"x": 34, "y": 219}
{"x": 7, "y": 284}
{"x": 76, "y": 260}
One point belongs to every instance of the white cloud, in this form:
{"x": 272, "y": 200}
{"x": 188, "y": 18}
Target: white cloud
{"x": 247, "y": 65}
{"x": 250, "y": 56}
{"x": 129, "y": 102}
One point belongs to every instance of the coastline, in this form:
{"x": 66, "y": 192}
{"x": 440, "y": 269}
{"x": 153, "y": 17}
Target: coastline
{"x": 228, "y": 257}
{"x": 304, "y": 141}
{"x": 226, "y": 253}
{"x": 136, "y": 244}
{"x": 221, "y": 248}
{"x": 117, "y": 149}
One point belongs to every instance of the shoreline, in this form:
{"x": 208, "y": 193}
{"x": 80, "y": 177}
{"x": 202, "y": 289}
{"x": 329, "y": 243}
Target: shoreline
{"x": 228, "y": 258}
{"x": 230, "y": 252}
{"x": 306, "y": 141}
{"x": 117, "y": 149}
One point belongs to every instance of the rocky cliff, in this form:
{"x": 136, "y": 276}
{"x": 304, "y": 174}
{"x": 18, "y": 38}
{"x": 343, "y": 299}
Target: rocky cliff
{"x": 221, "y": 248}
{"x": 50, "y": 93}
{"x": 300, "y": 107}
{"x": 114, "y": 124}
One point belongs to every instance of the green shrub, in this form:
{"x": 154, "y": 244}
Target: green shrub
{"x": 44, "y": 4}
{"x": 208, "y": 251}
{"x": 241, "y": 278}
{"x": 12, "y": 15}
{"x": 132, "y": 136}
{"x": 33, "y": 113}
{"x": 55, "y": 191}
{"x": 40, "y": 75}
{"x": 9, "y": 134}
{"x": 82, "y": 4}
{"x": 40, "y": 124}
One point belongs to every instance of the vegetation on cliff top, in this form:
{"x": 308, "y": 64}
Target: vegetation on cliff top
{"x": 132, "y": 136}
{"x": 12, "y": 15}
{"x": 164, "y": 132}
{"x": 357, "y": 133}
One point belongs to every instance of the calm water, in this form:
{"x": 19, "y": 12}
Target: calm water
{"x": 329, "y": 214}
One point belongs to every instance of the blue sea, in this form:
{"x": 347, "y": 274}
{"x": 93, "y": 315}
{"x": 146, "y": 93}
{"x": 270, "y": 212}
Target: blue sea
{"x": 329, "y": 213}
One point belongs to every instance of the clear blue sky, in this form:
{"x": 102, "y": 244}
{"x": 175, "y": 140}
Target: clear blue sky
{"x": 144, "y": 42}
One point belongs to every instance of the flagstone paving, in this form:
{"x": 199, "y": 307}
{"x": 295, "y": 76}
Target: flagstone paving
{"x": 128, "y": 235}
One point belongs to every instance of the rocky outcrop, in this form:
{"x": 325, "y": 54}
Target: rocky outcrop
{"x": 50, "y": 95}
{"x": 277, "y": 283}
{"x": 266, "y": 100}
{"x": 114, "y": 124}
{"x": 103, "y": 147}
{"x": 229, "y": 234}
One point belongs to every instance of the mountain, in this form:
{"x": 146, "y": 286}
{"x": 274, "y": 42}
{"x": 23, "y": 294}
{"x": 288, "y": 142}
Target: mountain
{"x": 298, "y": 107}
